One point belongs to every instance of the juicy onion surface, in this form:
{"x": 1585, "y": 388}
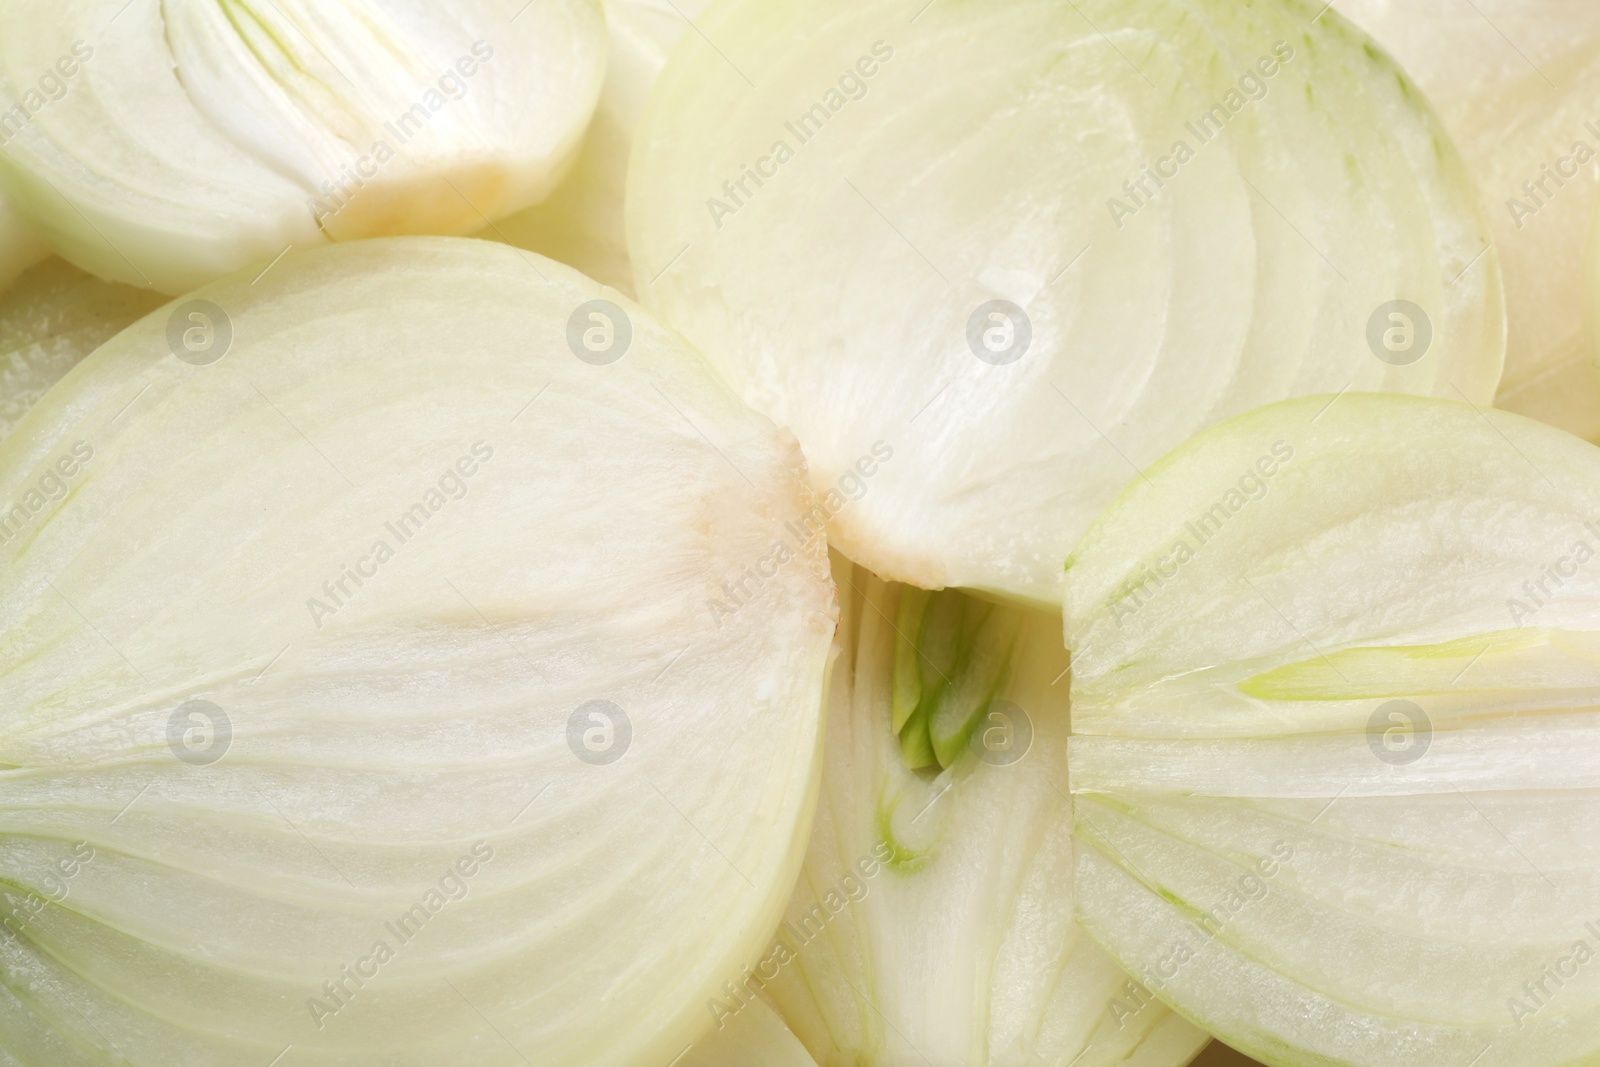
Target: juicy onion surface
{"x": 1516, "y": 82}
{"x": 1333, "y": 688}
{"x": 933, "y": 920}
{"x": 162, "y": 144}
{"x": 399, "y": 541}
{"x": 50, "y": 319}
{"x": 834, "y": 236}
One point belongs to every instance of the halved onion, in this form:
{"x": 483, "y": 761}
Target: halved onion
{"x": 912, "y": 235}
{"x": 1334, "y": 698}
{"x": 933, "y": 920}
{"x": 358, "y": 660}
{"x": 1516, "y": 83}
{"x": 51, "y": 318}
{"x": 163, "y": 144}
{"x": 581, "y": 223}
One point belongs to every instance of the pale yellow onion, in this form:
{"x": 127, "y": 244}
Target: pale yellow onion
{"x": 192, "y": 138}
{"x": 576, "y": 516}
{"x": 977, "y": 153}
{"x": 1516, "y": 83}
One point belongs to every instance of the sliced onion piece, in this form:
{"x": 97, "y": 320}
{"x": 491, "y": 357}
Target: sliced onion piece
{"x": 50, "y": 319}
{"x": 1516, "y": 82}
{"x": 374, "y": 726}
{"x": 162, "y": 144}
{"x": 756, "y": 1038}
{"x": 581, "y": 223}
{"x": 1336, "y": 734}
{"x": 933, "y": 920}
{"x": 897, "y": 236}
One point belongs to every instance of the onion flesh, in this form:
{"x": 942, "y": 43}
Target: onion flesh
{"x": 163, "y": 144}
{"x": 933, "y": 920}
{"x": 321, "y": 637}
{"x": 1515, "y": 82}
{"x": 873, "y": 226}
{"x": 1336, "y": 735}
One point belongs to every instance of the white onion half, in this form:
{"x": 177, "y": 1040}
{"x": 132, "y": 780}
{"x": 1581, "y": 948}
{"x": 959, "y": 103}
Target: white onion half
{"x": 441, "y": 590}
{"x": 900, "y": 269}
{"x": 51, "y": 318}
{"x": 164, "y": 143}
{"x": 1337, "y": 730}
{"x": 933, "y": 921}
{"x": 1516, "y": 83}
